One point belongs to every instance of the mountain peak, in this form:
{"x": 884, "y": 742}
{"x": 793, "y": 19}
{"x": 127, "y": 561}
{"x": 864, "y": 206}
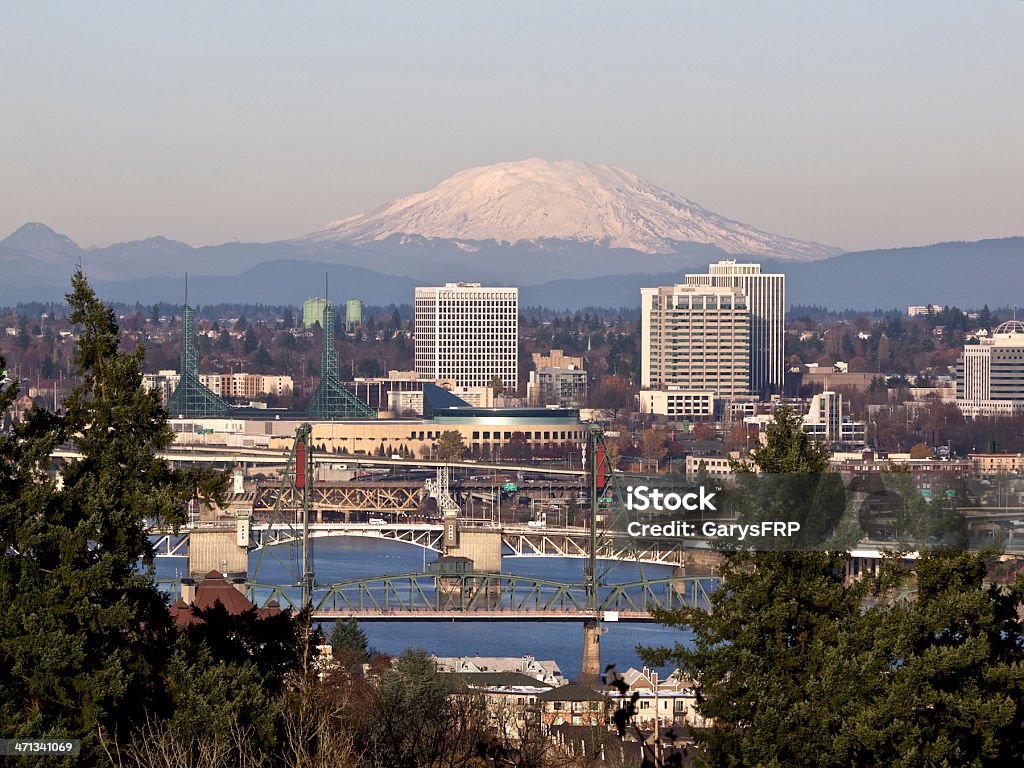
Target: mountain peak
{"x": 535, "y": 200}
{"x": 39, "y": 238}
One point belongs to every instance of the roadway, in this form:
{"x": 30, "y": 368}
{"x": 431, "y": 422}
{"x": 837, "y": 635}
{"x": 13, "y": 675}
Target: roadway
{"x": 209, "y": 454}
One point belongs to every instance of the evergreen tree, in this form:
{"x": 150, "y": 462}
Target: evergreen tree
{"x": 797, "y": 670}
{"x": 249, "y": 341}
{"x": 348, "y": 636}
{"x": 762, "y": 648}
{"x": 410, "y": 726}
{"x": 84, "y": 633}
{"x": 943, "y": 675}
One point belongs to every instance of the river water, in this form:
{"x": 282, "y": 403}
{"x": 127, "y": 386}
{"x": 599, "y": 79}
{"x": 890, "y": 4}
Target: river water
{"x": 341, "y": 559}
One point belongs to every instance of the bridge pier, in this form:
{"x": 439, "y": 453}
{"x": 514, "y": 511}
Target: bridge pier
{"x": 590, "y": 674}
{"x": 679, "y": 572}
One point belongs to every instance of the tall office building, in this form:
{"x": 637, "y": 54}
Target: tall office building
{"x": 990, "y": 374}
{"x": 695, "y": 338}
{"x": 468, "y": 334}
{"x": 766, "y": 295}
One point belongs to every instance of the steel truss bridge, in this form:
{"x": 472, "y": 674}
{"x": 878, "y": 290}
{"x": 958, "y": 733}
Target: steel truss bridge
{"x": 372, "y": 496}
{"x": 516, "y": 541}
{"x": 378, "y": 496}
{"x": 491, "y": 597}
{"x": 461, "y": 593}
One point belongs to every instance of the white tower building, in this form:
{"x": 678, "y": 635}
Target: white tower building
{"x": 766, "y": 295}
{"x": 468, "y": 334}
{"x": 990, "y": 374}
{"x": 695, "y": 338}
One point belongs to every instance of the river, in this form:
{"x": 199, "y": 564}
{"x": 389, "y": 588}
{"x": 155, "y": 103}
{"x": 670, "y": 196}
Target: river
{"x": 346, "y": 558}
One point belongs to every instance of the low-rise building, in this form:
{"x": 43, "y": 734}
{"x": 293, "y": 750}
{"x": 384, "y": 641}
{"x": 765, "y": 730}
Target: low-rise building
{"x": 241, "y": 386}
{"x": 989, "y": 464}
{"x": 547, "y": 672}
{"x": 670, "y": 701}
{"x": 509, "y": 699}
{"x": 718, "y": 467}
{"x": 572, "y": 704}
{"x": 557, "y": 379}
{"x": 678, "y": 404}
{"x": 485, "y": 432}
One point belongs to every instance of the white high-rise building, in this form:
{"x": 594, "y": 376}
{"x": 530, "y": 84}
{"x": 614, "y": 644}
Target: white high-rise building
{"x": 468, "y": 334}
{"x": 695, "y": 338}
{"x": 990, "y": 374}
{"x": 828, "y": 421}
{"x": 766, "y": 295}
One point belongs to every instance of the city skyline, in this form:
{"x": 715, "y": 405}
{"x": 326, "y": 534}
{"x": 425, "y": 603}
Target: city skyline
{"x": 859, "y": 127}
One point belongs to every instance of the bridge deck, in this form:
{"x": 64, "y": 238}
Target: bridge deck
{"x": 421, "y": 615}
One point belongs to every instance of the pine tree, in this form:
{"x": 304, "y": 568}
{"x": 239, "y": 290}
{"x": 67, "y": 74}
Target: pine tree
{"x": 943, "y": 675}
{"x": 84, "y": 632}
{"x": 758, "y": 653}
{"x": 796, "y": 670}
{"x": 348, "y": 636}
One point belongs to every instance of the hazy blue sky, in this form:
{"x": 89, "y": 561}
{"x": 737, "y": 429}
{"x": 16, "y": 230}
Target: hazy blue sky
{"x": 859, "y": 124}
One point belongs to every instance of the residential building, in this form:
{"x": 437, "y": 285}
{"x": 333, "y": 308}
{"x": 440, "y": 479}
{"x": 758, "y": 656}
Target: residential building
{"x": 766, "y": 299}
{"x": 678, "y": 404}
{"x": 547, "y": 672}
{"x": 827, "y": 420}
{"x": 509, "y": 699}
{"x": 671, "y": 700}
{"x": 990, "y": 374}
{"x": 992, "y": 464}
{"x": 557, "y": 379}
{"x": 164, "y": 382}
{"x": 468, "y": 333}
{"x": 695, "y": 338}
{"x": 242, "y": 386}
{"x": 572, "y": 704}
{"x": 923, "y": 309}
{"x": 246, "y": 386}
{"x": 214, "y": 588}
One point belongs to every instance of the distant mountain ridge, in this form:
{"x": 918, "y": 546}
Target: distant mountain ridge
{"x": 605, "y": 263}
{"x": 538, "y": 201}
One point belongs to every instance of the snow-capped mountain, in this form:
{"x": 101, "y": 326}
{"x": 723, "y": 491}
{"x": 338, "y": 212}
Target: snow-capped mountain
{"x": 537, "y": 200}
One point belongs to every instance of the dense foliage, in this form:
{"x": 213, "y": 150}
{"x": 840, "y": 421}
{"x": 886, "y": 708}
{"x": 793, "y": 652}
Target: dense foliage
{"x": 799, "y": 666}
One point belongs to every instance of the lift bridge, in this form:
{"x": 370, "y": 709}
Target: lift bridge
{"x": 456, "y": 587}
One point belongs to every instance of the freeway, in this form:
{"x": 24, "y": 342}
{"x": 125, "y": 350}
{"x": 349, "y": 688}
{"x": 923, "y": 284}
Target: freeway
{"x": 208, "y": 454}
